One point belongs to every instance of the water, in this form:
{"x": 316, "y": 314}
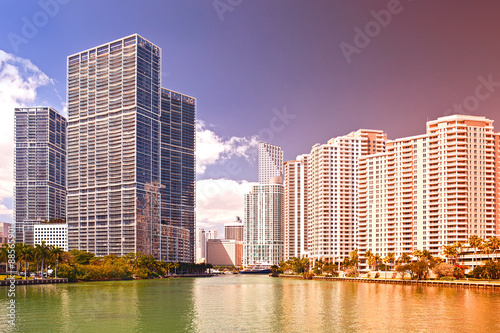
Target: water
{"x": 238, "y": 303}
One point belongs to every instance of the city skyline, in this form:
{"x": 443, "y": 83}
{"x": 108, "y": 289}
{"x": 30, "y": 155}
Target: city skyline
{"x": 394, "y": 83}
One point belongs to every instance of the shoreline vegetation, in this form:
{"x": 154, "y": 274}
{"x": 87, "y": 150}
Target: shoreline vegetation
{"x": 42, "y": 261}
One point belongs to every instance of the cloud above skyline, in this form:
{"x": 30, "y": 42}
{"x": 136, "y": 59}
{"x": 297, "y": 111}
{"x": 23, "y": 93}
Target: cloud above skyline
{"x": 212, "y": 149}
{"x": 20, "y": 81}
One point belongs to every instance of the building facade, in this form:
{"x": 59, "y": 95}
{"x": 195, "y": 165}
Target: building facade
{"x": 39, "y": 169}
{"x": 53, "y": 234}
{"x": 125, "y": 148}
{"x": 234, "y": 230}
{"x": 270, "y": 163}
{"x": 332, "y": 196}
{"x": 431, "y": 190}
{"x": 295, "y": 208}
{"x": 263, "y": 223}
{"x": 224, "y": 252}
{"x": 201, "y": 246}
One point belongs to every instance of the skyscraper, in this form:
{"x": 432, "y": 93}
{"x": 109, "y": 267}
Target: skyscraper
{"x": 234, "y": 230}
{"x": 39, "y": 169}
{"x": 177, "y": 170}
{"x": 263, "y": 222}
{"x": 270, "y": 163}
{"x": 430, "y": 190}
{"x": 127, "y": 143}
{"x": 332, "y": 177}
{"x": 295, "y": 223}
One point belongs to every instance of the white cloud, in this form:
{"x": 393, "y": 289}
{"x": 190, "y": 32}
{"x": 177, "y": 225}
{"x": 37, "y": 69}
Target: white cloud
{"x": 212, "y": 149}
{"x": 19, "y": 81}
{"x": 4, "y": 210}
{"x": 218, "y": 201}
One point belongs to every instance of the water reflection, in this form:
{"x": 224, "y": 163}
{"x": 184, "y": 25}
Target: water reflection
{"x": 250, "y": 304}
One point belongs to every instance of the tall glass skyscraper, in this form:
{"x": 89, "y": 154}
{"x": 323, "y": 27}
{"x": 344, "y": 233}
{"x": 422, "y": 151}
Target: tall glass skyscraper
{"x": 115, "y": 180}
{"x": 177, "y": 175}
{"x": 39, "y": 169}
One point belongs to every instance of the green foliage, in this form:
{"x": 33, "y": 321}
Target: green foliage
{"x": 489, "y": 270}
{"x": 447, "y": 278}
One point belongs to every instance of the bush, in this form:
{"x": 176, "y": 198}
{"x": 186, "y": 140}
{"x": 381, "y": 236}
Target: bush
{"x": 444, "y": 270}
{"x": 447, "y": 278}
{"x": 377, "y": 275}
{"x": 307, "y": 276}
{"x": 351, "y": 272}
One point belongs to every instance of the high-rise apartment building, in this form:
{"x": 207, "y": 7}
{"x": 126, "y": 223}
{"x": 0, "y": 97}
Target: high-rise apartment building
{"x": 270, "y": 163}
{"x": 332, "y": 195}
{"x": 201, "y": 246}
{"x": 177, "y": 169}
{"x": 263, "y": 222}
{"x": 130, "y": 154}
{"x": 431, "y": 190}
{"x": 295, "y": 208}
{"x": 234, "y": 230}
{"x": 39, "y": 169}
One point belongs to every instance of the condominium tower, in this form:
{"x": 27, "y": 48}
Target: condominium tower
{"x": 321, "y": 191}
{"x": 270, "y": 163}
{"x": 263, "y": 233}
{"x": 130, "y": 154}
{"x": 431, "y": 190}
{"x": 295, "y": 208}
{"x": 39, "y": 169}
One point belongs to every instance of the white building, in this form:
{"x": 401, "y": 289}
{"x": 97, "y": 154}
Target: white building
{"x": 52, "y": 234}
{"x": 270, "y": 163}
{"x": 263, "y": 223}
{"x": 431, "y": 190}
{"x": 201, "y": 246}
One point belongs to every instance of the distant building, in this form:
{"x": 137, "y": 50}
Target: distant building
{"x": 263, "y": 225}
{"x": 295, "y": 208}
{"x": 234, "y": 230}
{"x": 39, "y": 169}
{"x": 270, "y": 163}
{"x": 211, "y": 234}
{"x": 52, "y": 234}
{"x": 201, "y": 246}
{"x": 224, "y": 252}
{"x": 4, "y": 232}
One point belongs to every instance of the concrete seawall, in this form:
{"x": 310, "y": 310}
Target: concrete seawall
{"x": 439, "y": 283}
{"x": 34, "y": 281}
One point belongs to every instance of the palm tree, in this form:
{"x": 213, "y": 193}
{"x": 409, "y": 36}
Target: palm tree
{"x": 458, "y": 246}
{"x": 494, "y": 244}
{"x": 25, "y": 254}
{"x": 475, "y": 241}
{"x": 404, "y": 258}
{"x": 4, "y": 255}
{"x": 391, "y": 257}
{"x": 42, "y": 251}
{"x": 486, "y": 249}
{"x": 369, "y": 258}
{"x": 56, "y": 255}
{"x": 449, "y": 251}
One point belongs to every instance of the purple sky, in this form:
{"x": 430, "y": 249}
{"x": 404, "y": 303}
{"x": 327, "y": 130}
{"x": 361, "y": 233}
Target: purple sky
{"x": 275, "y": 55}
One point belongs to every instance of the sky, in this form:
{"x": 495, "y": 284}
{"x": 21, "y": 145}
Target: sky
{"x": 290, "y": 72}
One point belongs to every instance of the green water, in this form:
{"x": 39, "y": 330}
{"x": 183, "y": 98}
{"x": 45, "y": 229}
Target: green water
{"x": 249, "y": 304}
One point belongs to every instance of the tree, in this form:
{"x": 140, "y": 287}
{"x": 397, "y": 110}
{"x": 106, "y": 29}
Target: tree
{"x": 25, "y": 254}
{"x": 389, "y": 258}
{"x": 475, "y": 242}
{"x": 56, "y": 255}
{"x": 404, "y": 258}
{"x": 4, "y": 255}
{"x": 370, "y": 259}
{"x": 486, "y": 249}
{"x": 494, "y": 244}
{"x": 450, "y": 251}
{"x": 42, "y": 252}
{"x": 444, "y": 270}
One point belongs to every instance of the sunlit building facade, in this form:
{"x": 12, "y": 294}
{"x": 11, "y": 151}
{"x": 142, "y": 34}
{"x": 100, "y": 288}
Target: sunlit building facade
{"x": 431, "y": 190}
{"x": 39, "y": 169}
{"x": 295, "y": 208}
{"x": 270, "y": 163}
{"x": 332, "y": 195}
